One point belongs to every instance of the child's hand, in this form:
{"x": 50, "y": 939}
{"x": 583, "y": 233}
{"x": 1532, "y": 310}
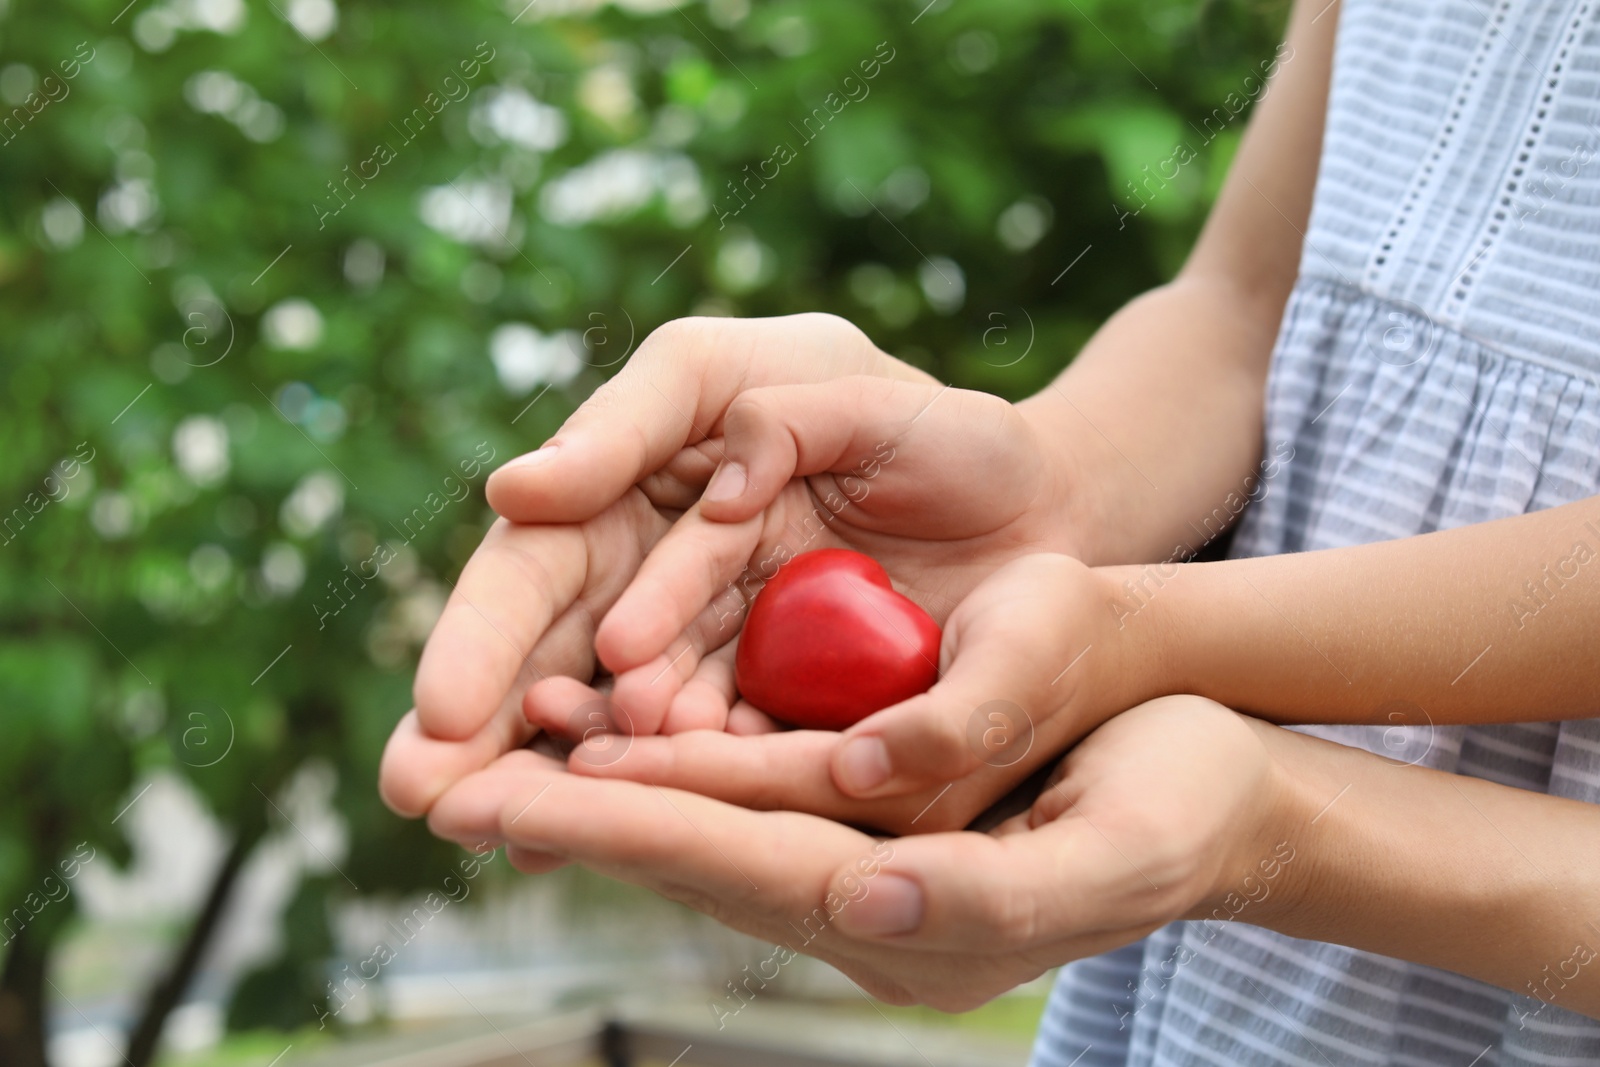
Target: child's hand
{"x": 582, "y": 514}
{"x": 1031, "y": 661}
{"x": 940, "y": 485}
{"x": 1175, "y": 809}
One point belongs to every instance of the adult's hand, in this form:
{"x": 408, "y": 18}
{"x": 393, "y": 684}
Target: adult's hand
{"x": 1169, "y": 810}
{"x": 583, "y": 511}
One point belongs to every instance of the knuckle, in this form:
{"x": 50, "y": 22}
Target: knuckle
{"x": 681, "y": 334}
{"x": 946, "y": 749}
{"x": 749, "y": 413}
{"x": 1009, "y": 916}
{"x": 824, "y": 321}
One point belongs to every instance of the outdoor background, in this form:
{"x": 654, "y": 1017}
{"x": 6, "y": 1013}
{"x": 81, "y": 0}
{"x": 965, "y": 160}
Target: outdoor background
{"x": 284, "y": 279}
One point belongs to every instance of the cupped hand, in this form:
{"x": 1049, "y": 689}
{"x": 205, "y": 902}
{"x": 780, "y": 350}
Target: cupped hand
{"x": 583, "y": 511}
{"x": 1032, "y": 661}
{"x": 939, "y": 485}
{"x": 1173, "y": 809}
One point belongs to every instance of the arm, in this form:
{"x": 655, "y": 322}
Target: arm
{"x": 1486, "y": 623}
{"x": 1496, "y": 883}
{"x": 1175, "y": 809}
{"x": 1187, "y": 363}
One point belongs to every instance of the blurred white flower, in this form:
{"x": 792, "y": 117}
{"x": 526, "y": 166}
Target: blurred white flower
{"x": 210, "y": 566}
{"x": 292, "y": 324}
{"x": 607, "y": 93}
{"x": 155, "y": 29}
{"x": 363, "y": 263}
{"x": 62, "y": 222}
{"x": 218, "y": 16}
{"x": 1021, "y": 225}
{"x": 17, "y": 80}
{"x": 975, "y": 51}
{"x": 682, "y": 189}
{"x": 470, "y": 212}
{"x": 744, "y": 263}
{"x": 258, "y": 120}
{"x": 200, "y": 445}
{"x": 507, "y": 113}
{"x": 609, "y": 186}
{"x": 317, "y": 498}
{"x": 315, "y": 19}
{"x": 943, "y": 284}
{"x": 524, "y": 358}
{"x": 213, "y": 91}
{"x": 112, "y": 515}
{"x": 420, "y": 609}
{"x": 906, "y": 188}
{"x": 128, "y": 205}
{"x": 282, "y": 569}
{"x": 216, "y": 92}
{"x": 790, "y": 36}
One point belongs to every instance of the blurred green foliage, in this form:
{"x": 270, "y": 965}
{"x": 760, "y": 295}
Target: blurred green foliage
{"x": 252, "y": 276}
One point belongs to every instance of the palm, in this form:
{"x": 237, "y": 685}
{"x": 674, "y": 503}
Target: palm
{"x": 940, "y": 486}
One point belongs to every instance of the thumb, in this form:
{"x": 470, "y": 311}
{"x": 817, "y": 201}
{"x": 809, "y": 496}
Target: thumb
{"x": 973, "y": 893}
{"x": 770, "y": 435}
{"x": 672, "y": 393}
{"x": 631, "y": 426}
{"x": 996, "y": 704}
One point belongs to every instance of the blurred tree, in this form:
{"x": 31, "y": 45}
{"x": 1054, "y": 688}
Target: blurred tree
{"x": 280, "y": 282}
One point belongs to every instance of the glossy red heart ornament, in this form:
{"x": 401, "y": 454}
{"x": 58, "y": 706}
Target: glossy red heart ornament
{"x": 828, "y": 642}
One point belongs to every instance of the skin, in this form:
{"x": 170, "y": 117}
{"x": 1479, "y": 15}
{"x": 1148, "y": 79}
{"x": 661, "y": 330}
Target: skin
{"x": 1160, "y": 811}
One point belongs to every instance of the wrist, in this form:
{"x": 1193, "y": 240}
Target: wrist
{"x": 1140, "y": 654}
{"x": 1075, "y": 504}
{"x": 1258, "y": 879}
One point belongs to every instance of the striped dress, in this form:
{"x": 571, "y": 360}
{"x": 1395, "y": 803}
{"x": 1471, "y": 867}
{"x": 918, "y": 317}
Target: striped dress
{"x": 1437, "y": 365}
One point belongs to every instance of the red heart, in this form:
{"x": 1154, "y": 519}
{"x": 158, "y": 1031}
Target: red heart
{"x": 828, "y": 642}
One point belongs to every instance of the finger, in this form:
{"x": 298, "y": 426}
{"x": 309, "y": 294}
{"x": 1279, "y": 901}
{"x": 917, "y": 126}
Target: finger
{"x": 469, "y": 811}
{"x": 781, "y": 432}
{"x": 672, "y": 393}
{"x": 769, "y": 863}
{"x": 679, "y": 484}
{"x": 707, "y": 697}
{"x": 601, "y": 730}
{"x": 687, "y": 570}
{"x": 745, "y": 719}
{"x": 774, "y": 771}
{"x": 630, "y": 427}
{"x": 528, "y": 861}
{"x": 765, "y": 772}
{"x": 973, "y": 893}
{"x": 561, "y": 705}
{"x": 514, "y": 586}
{"x": 417, "y": 767}
{"x": 647, "y": 691}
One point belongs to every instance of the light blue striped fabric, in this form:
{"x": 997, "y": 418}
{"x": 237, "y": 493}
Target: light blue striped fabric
{"x": 1438, "y": 365}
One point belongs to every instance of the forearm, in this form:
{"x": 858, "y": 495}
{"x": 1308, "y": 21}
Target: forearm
{"x": 1159, "y": 417}
{"x": 1486, "y": 623}
{"x": 1159, "y": 421}
{"x": 1499, "y": 884}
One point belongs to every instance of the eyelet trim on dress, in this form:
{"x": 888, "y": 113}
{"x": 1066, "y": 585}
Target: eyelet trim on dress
{"x": 1470, "y": 81}
{"x": 1461, "y": 289}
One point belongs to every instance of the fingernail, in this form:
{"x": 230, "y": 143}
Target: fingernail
{"x": 727, "y": 483}
{"x": 863, "y": 765}
{"x": 893, "y": 905}
{"x": 533, "y": 459}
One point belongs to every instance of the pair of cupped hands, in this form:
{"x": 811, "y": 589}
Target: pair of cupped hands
{"x": 602, "y": 596}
